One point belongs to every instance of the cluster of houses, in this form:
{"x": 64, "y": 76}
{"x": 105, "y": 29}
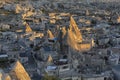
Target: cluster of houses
{"x": 63, "y": 40}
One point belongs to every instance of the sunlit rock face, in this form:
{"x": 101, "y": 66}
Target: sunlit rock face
{"x": 1, "y": 74}
{"x": 27, "y": 14}
{"x": 19, "y": 73}
{"x": 28, "y": 29}
{"x": 50, "y": 59}
{"x": 7, "y": 77}
{"x": 50, "y": 35}
{"x": 75, "y": 30}
{"x": 18, "y": 8}
{"x": 75, "y": 44}
{"x": 71, "y": 40}
{"x": 118, "y": 20}
{"x": 4, "y": 76}
{"x": 74, "y": 38}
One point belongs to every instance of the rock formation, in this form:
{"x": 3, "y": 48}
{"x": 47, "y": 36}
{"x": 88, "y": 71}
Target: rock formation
{"x": 28, "y": 29}
{"x": 7, "y": 77}
{"x": 74, "y": 28}
{"x": 19, "y": 73}
{"x": 50, "y": 35}
{"x": 49, "y": 59}
{"x": 73, "y": 38}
